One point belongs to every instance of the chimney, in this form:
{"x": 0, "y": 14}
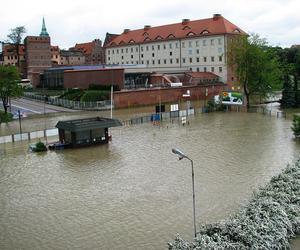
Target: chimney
{"x": 126, "y": 31}
{"x": 146, "y": 27}
{"x": 185, "y": 21}
{"x": 216, "y": 17}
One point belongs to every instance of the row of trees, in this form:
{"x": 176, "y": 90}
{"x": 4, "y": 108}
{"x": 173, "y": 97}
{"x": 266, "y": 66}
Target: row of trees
{"x": 261, "y": 69}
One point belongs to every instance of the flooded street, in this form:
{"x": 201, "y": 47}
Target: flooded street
{"x": 134, "y": 193}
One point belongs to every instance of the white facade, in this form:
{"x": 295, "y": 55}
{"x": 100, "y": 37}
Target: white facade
{"x": 202, "y": 54}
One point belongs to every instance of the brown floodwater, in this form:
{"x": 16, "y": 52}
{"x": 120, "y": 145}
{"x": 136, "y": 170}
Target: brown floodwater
{"x": 134, "y": 193}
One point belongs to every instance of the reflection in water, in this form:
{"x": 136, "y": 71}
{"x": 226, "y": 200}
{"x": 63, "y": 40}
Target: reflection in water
{"x": 134, "y": 193}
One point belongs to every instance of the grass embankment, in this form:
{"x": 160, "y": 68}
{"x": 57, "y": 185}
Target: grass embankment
{"x": 270, "y": 219}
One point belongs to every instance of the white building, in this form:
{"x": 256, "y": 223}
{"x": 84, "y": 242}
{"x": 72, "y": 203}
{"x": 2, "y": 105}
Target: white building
{"x": 199, "y": 45}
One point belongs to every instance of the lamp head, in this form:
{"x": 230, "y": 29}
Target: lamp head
{"x": 180, "y": 154}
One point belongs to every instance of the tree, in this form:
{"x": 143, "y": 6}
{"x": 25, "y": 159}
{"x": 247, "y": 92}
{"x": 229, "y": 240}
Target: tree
{"x": 296, "y": 126}
{"x": 15, "y": 37}
{"x": 256, "y": 69}
{"x": 9, "y": 87}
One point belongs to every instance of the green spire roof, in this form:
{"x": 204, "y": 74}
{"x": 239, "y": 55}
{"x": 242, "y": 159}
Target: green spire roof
{"x": 44, "y": 30}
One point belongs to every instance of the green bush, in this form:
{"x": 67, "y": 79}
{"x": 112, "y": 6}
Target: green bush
{"x": 40, "y": 147}
{"x": 72, "y": 94}
{"x": 94, "y": 96}
{"x": 5, "y": 117}
{"x": 296, "y": 126}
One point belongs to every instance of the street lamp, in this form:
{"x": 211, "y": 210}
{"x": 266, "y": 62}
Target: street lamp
{"x": 181, "y": 155}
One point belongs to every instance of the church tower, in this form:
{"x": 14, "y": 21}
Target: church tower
{"x": 44, "y": 29}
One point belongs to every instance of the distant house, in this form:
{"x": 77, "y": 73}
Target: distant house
{"x": 84, "y": 132}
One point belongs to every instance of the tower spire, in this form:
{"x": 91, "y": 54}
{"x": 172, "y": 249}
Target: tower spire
{"x": 44, "y": 30}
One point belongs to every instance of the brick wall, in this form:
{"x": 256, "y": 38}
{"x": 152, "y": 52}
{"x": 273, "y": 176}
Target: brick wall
{"x": 129, "y": 98}
{"x": 83, "y": 78}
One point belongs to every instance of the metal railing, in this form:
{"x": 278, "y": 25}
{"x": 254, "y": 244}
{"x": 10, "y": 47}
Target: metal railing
{"x": 68, "y": 103}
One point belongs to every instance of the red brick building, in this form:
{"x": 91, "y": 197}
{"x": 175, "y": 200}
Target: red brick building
{"x": 93, "y": 52}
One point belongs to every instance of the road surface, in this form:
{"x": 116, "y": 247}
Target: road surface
{"x": 29, "y": 107}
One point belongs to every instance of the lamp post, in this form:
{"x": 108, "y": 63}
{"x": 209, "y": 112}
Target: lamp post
{"x": 181, "y": 155}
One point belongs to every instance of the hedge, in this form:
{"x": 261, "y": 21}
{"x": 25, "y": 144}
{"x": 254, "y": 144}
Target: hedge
{"x": 269, "y": 220}
{"x": 94, "y": 96}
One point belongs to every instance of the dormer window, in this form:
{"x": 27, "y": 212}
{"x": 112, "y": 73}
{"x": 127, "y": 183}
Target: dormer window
{"x": 237, "y": 31}
{"x": 205, "y": 32}
{"x": 171, "y": 36}
{"x": 186, "y": 28}
{"x": 190, "y": 34}
{"x": 147, "y": 39}
{"x": 145, "y": 34}
{"x": 131, "y": 41}
{"x": 158, "y": 38}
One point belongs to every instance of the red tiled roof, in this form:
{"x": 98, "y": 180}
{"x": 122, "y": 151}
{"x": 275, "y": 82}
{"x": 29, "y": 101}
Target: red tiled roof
{"x": 203, "y": 27}
{"x": 10, "y": 49}
{"x": 86, "y": 48}
{"x": 54, "y": 48}
{"x": 202, "y": 75}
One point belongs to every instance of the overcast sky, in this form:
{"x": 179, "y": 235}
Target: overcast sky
{"x": 71, "y": 21}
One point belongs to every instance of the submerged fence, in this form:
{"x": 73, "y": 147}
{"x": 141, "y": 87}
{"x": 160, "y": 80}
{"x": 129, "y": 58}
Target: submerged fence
{"x": 68, "y": 103}
{"x": 154, "y": 118}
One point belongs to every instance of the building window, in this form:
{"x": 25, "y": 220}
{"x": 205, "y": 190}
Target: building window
{"x": 152, "y": 47}
{"x": 176, "y": 45}
{"x": 191, "y": 60}
{"x": 177, "y": 60}
{"x": 165, "y": 61}
{"x": 197, "y": 51}
{"x": 152, "y": 54}
{"x": 198, "y": 59}
{"x": 131, "y": 56}
{"x": 219, "y": 41}
{"x": 220, "y": 58}
{"x": 147, "y": 48}
{"x": 197, "y": 69}
{"x": 183, "y": 60}
{"x": 170, "y": 45}
{"x": 108, "y": 52}
{"x": 164, "y": 46}
{"x": 197, "y": 43}
{"x": 190, "y": 52}
{"x": 171, "y": 61}
{"x": 153, "y": 62}
{"x": 191, "y": 69}
{"x": 117, "y": 51}
{"x": 171, "y": 53}
{"x": 158, "y": 61}
{"x": 190, "y": 44}
{"x": 147, "y": 62}
{"x": 142, "y": 62}
{"x": 122, "y": 57}
{"x": 142, "y": 48}
{"x": 137, "y": 49}
{"x": 220, "y": 69}
{"x": 126, "y": 50}
{"x": 212, "y": 69}
{"x": 137, "y": 62}
{"x": 212, "y": 42}
{"x": 183, "y": 45}
{"x": 212, "y": 58}
{"x": 142, "y": 55}
{"x": 204, "y": 59}
{"x": 122, "y": 51}
{"x": 113, "y": 51}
